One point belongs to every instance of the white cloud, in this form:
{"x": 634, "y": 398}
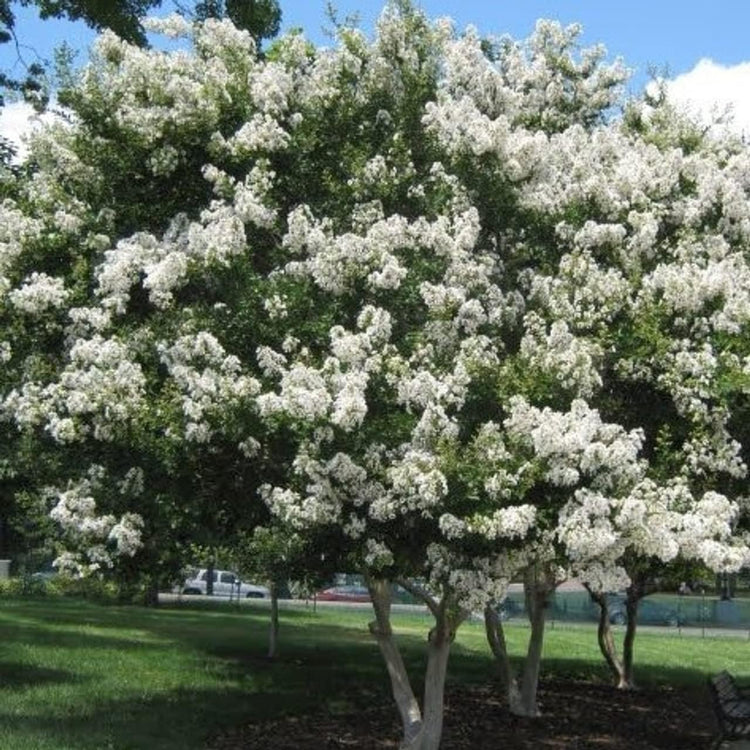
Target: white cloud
{"x": 17, "y": 120}
{"x": 710, "y": 88}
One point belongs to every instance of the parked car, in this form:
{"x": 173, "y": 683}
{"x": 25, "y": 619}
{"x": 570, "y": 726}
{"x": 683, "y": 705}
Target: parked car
{"x": 345, "y": 593}
{"x": 226, "y": 583}
{"x": 650, "y": 612}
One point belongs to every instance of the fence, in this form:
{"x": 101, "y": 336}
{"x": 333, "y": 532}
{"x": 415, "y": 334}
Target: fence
{"x": 666, "y": 610}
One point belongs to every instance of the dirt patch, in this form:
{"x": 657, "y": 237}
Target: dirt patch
{"x": 576, "y": 714}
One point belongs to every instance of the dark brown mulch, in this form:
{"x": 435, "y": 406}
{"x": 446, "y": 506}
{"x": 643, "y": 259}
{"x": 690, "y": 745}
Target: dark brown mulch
{"x": 576, "y": 715}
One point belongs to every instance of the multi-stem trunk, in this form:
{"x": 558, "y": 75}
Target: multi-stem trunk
{"x": 606, "y": 639}
{"x": 496, "y": 638}
{"x": 420, "y": 730}
{"x": 634, "y": 595}
{"x": 438, "y": 650}
{"x": 521, "y": 694}
{"x": 620, "y": 667}
{"x": 273, "y": 629}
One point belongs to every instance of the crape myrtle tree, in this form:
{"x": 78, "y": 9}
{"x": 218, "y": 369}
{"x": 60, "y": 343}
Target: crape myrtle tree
{"x": 98, "y": 401}
{"x": 399, "y": 285}
{"x": 673, "y": 360}
{"x": 262, "y": 18}
{"x": 475, "y": 320}
{"x": 564, "y": 191}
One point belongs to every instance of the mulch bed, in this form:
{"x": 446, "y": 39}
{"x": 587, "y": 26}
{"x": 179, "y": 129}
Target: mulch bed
{"x": 578, "y": 715}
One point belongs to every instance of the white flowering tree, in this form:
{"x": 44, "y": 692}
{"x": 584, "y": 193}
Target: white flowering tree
{"x": 418, "y": 292}
{"x": 94, "y": 366}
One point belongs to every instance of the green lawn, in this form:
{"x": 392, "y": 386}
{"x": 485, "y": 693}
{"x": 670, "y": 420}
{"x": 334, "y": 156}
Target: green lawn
{"x": 76, "y": 675}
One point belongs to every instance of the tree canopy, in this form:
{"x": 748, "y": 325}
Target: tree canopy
{"x": 422, "y": 297}
{"x": 262, "y": 18}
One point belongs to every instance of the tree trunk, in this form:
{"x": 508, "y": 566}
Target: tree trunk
{"x": 210, "y": 579}
{"x": 634, "y": 594}
{"x": 496, "y": 638}
{"x": 536, "y": 599}
{"x": 151, "y": 593}
{"x": 403, "y": 695}
{"x": 273, "y": 630}
{"x": 421, "y": 731}
{"x": 607, "y": 642}
{"x": 440, "y": 640}
{"x": 539, "y": 583}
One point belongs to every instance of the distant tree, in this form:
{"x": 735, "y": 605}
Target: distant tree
{"x": 262, "y": 18}
{"x": 121, "y": 16}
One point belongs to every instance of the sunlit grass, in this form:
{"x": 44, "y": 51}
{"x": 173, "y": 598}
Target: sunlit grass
{"x": 75, "y": 675}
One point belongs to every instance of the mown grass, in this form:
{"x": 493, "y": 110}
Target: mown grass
{"x": 75, "y": 675}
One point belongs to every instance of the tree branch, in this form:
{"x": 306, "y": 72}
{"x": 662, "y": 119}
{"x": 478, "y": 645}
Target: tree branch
{"x": 420, "y": 593}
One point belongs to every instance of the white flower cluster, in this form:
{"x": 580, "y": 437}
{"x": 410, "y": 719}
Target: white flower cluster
{"x": 163, "y": 265}
{"x": 38, "y": 294}
{"x": 151, "y": 93}
{"x": 99, "y": 389}
{"x": 582, "y": 293}
{"x": 377, "y": 555}
{"x": 513, "y": 522}
{"x": 329, "y": 486}
{"x": 337, "y": 389}
{"x": 474, "y": 581}
{"x": 653, "y": 521}
{"x": 718, "y": 287}
{"x": 94, "y": 540}
{"x": 572, "y": 359}
{"x": 210, "y": 382}
{"x": 164, "y": 160}
{"x": 417, "y": 484}
{"x": 304, "y": 395}
{"x": 576, "y": 444}
{"x": 16, "y": 229}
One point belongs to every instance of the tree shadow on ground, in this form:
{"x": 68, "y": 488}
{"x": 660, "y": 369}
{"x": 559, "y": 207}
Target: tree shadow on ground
{"x": 16, "y": 675}
{"x": 324, "y": 671}
{"x": 174, "y": 720}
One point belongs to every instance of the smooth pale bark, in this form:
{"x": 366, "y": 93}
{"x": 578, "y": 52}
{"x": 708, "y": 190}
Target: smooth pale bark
{"x": 273, "y": 630}
{"x": 440, "y": 640}
{"x": 421, "y": 730}
{"x": 537, "y": 591}
{"x": 403, "y": 695}
{"x": 521, "y": 695}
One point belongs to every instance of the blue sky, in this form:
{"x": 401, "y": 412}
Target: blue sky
{"x": 666, "y": 34}
{"x": 677, "y": 33}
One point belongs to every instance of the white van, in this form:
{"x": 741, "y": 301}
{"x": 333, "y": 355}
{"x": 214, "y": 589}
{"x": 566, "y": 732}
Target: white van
{"x": 226, "y": 583}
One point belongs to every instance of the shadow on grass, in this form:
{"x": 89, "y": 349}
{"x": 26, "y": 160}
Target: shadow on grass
{"x": 18, "y": 676}
{"x": 323, "y": 666}
{"x": 176, "y": 720}
{"x": 645, "y": 674}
